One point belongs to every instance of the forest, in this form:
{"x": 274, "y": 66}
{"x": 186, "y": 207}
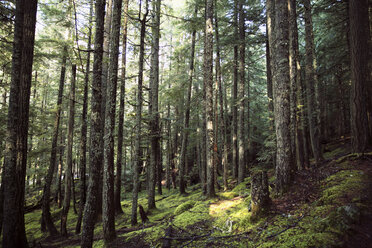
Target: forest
{"x": 188, "y": 123}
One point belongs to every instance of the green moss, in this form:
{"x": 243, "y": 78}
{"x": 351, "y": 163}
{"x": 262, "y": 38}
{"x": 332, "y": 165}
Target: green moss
{"x": 198, "y": 213}
{"x": 243, "y": 188}
{"x": 184, "y": 206}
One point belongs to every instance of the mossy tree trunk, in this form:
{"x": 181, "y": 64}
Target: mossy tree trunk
{"x": 260, "y": 202}
{"x": 96, "y": 132}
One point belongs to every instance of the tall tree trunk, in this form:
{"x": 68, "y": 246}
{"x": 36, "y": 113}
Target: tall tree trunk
{"x": 119, "y": 158}
{"x": 359, "y": 52}
{"x": 53, "y": 156}
{"x": 241, "y": 94}
{"x": 154, "y": 104}
{"x": 208, "y": 84}
{"x": 68, "y": 172}
{"x": 295, "y": 77}
{"x": 137, "y": 150}
{"x": 185, "y": 132}
{"x": 60, "y": 168}
{"x": 96, "y": 132}
{"x": 293, "y": 57}
{"x": 270, "y": 65}
{"x": 224, "y": 161}
{"x": 15, "y": 161}
{"x": 311, "y": 86}
{"x": 109, "y": 144}
{"x": 84, "y": 125}
{"x": 105, "y": 68}
{"x": 281, "y": 85}
{"x": 235, "y": 151}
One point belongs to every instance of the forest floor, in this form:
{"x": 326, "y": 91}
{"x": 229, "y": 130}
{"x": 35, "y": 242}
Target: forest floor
{"x": 326, "y": 206}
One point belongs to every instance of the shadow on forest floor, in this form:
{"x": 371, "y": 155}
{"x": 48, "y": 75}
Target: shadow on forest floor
{"x": 326, "y": 206}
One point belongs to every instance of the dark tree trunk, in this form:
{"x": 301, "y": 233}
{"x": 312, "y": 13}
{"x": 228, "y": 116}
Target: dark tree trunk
{"x": 119, "y": 158}
{"x": 84, "y": 125}
{"x": 235, "y": 154}
{"x": 53, "y": 156}
{"x": 96, "y": 132}
{"x": 109, "y": 144}
{"x": 15, "y": 161}
{"x": 296, "y": 98}
{"x": 208, "y": 84}
{"x": 241, "y": 94}
{"x": 68, "y": 172}
{"x": 137, "y": 150}
{"x": 311, "y": 86}
{"x": 281, "y": 85}
{"x": 359, "y": 52}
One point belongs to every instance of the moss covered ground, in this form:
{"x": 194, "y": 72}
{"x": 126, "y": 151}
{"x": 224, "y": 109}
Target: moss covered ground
{"x": 323, "y": 208}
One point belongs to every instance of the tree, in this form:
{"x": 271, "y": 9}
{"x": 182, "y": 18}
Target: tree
{"x": 154, "y": 104}
{"x": 208, "y": 84}
{"x": 281, "y": 85}
{"x": 235, "y": 151}
{"x": 84, "y": 125}
{"x": 241, "y": 94}
{"x": 119, "y": 158}
{"x": 108, "y": 165}
{"x": 15, "y": 161}
{"x": 96, "y": 132}
{"x": 312, "y": 86}
{"x": 46, "y": 216}
{"x": 137, "y": 149}
{"x": 186, "y": 122}
{"x": 68, "y": 172}
{"x": 359, "y": 52}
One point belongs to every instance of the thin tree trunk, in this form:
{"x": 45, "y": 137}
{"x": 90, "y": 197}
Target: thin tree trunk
{"x": 137, "y": 152}
{"x": 311, "y": 86}
{"x": 68, "y": 172}
{"x": 119, "y": 158}
{"x": 15, "y": 161}
{"x": 241, "y": 94}
{"x": 53, "y": 156}
{"x": 96, "y": 132}
{"x": 208, "y": 84}
{"x": 185, "y": 132}
{"x": 222, "y": 115}
{"x": 84, "y": 125}
{"x": 235, "y": 151}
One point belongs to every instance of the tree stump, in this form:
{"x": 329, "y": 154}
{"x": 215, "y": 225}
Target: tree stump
{"x": 260, "y": 202}
{"x": 143, "y": 214}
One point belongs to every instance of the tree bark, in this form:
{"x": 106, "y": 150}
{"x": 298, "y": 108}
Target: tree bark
{"x": 119, "y": 158}
{"x": 185, "y": 132}
{"x": 311, "y": 86}
{"x": 84, "y": 125}
{"x": 154, "y": 104}
{"x": 235, "y": 153}
{"x": 96, "y": 132}
{"x": 359, "y": 52}
{"x": 109, "y": 144}
{"x": 68, "y": 172}
{"x": 241, "y": 94}
{"x": 223, "y": 121}
{"x": 296, "y": 89}
{"x": 53, "y": 156}
{"x": 15, "y": 161}
{"x": 208, "y": 84}
{"x": 137, "y": 150}
{"x": 281, "y": 85}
